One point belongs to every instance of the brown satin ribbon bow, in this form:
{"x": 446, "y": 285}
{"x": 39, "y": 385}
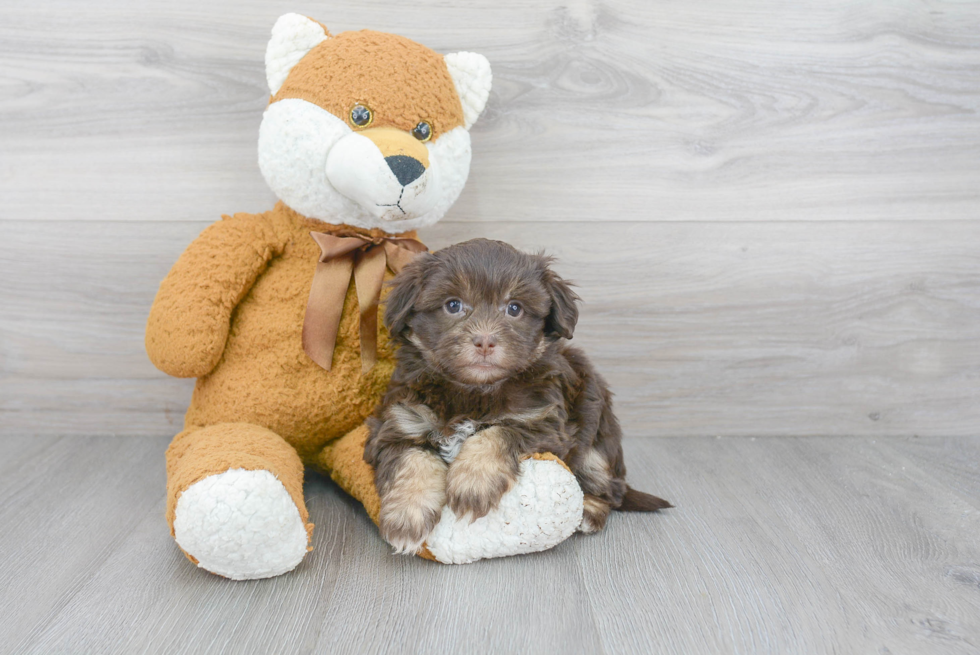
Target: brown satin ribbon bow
{"x": 367, "y": 256}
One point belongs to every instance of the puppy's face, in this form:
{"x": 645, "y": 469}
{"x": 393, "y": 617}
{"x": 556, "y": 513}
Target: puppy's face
{"x": 481, "y": 311}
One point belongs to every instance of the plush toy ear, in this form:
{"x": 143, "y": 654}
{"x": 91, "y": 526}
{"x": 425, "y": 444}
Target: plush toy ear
{"x": 472, "y": 77}
{"x": 406, "y": 288}
{"x": 563, "y": 316}
{"x": 292, "y": 37}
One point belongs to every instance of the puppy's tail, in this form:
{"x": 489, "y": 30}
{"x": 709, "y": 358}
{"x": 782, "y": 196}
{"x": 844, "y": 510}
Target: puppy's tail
{"x": 637, "y": 501}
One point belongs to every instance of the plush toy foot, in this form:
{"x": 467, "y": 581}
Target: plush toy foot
{"x": 542, "y": 510}
{"x": 241, "y": 524}
{"x": 235, "y": 500}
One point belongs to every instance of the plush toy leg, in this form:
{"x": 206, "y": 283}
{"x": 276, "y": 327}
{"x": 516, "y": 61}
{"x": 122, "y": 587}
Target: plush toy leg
{"x": 543, "y": 509}
{"x": 235, "y": 500}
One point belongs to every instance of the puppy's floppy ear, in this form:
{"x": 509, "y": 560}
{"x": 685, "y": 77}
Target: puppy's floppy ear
{"x": 563, "y": 316}
{"x": 406, "y": 288}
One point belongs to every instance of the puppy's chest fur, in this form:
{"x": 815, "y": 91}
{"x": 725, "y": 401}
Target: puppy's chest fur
{"x": 449, "y": 444}
{"x": 446, "y": 420}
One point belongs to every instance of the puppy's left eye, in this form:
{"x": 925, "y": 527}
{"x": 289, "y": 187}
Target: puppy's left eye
{"x": 453, "y": 305}
{"x": 514, "y": 309}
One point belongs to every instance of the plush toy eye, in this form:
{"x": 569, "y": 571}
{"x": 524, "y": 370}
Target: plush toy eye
{"x": 454, "y": 306}
{"x": 361, "y": 116}
{"x": 422, "y": 131}
{"x": 514, "y": 309}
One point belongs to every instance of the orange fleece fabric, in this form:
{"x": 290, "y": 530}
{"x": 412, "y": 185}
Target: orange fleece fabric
{"x": 231, "y": 313}
{"x": 400, "y": 81}
{"x": 197, "y": 453}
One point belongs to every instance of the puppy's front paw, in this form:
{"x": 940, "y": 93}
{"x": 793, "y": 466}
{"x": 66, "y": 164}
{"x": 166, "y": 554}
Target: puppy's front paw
{"x": 411, "y": 504}
{"x": 406, "y": 526}
{"x": 475, "y": 485}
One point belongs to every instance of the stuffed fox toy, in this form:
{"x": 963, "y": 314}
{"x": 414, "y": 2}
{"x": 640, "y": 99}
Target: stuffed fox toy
{"x": 364, "y": 141}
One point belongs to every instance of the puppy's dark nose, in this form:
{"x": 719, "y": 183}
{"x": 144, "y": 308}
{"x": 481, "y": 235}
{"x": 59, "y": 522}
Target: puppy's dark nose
{"x": 406, "y": 169}
{"x": 484, "y": 343}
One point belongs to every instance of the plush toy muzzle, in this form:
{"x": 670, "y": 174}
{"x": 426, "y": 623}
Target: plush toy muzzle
{"x": 386, "y": 171}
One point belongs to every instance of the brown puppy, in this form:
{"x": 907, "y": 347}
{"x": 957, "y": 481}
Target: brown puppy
{"x": 485, "y": 376}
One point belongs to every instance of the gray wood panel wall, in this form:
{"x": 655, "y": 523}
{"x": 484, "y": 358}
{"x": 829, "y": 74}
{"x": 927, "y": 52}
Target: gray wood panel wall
{"x": 770, "y": 208}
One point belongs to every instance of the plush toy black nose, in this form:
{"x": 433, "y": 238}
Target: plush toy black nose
{"x": 406, "y": 169}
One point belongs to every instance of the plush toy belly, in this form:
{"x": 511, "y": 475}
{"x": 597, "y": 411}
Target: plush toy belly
{"x": 264, "y": 377}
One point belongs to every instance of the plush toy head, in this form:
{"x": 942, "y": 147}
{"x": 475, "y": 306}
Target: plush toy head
{"x": 366, "y": 128}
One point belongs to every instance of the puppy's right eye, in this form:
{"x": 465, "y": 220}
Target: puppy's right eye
{"x": 454, "y": 306}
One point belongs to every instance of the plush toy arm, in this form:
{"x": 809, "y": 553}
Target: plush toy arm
{"x": 190, "y": 316}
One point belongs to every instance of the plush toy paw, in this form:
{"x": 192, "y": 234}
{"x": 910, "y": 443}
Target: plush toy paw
{"x": 540, "y": 511}
{"x": 241, "y": 525}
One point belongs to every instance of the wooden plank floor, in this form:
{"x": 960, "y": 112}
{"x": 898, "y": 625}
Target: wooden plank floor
{"x": 788, "y": 545}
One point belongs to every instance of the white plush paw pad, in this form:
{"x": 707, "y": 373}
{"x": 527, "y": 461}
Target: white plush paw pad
{"x": 543, "y": 509}
{"x": 241, "y": 524}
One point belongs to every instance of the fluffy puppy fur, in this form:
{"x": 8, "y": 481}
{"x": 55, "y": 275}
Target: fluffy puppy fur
{"x": 485, "y": 377}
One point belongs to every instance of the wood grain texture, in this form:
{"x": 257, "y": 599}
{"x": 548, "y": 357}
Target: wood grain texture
{"x": 650, "y": 110}
{"x": 63, "y": 511}
{"x": 829, "y": 545}
{"x": 701, "y": 329}
{"x": 769, "y": 209}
